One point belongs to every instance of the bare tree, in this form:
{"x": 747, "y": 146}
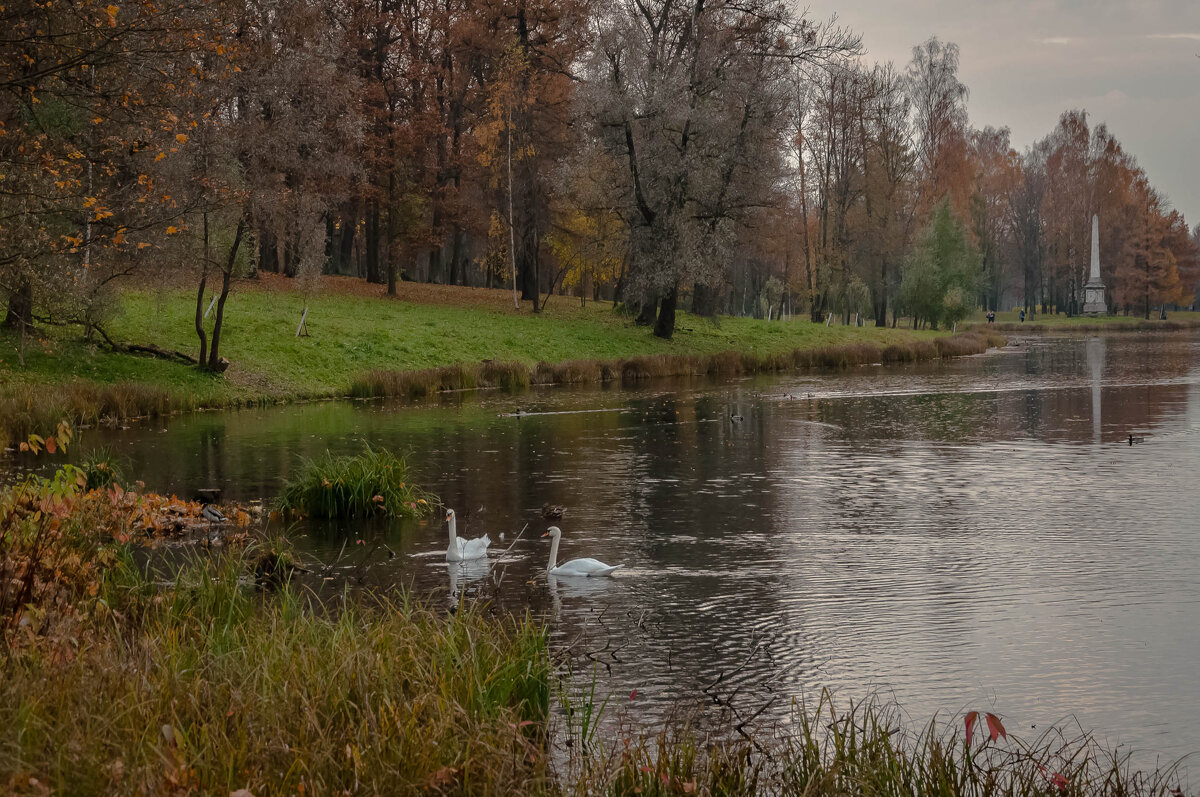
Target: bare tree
{"x": 690, "y": 97}
{"x": 940, "y": 118}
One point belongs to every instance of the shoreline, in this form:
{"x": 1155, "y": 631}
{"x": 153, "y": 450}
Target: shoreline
{"x": 34, "y": 408}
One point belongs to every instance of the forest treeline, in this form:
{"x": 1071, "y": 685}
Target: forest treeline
{"x": 719, "y": 156}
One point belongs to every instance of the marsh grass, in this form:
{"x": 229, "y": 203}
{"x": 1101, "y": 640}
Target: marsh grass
{"x": 26, "y": 410}
{"x": 865, "y": 748}
{"x": 375, "y": 482}
{"x": 516, "y": 376}
{"x": 211, "y": 686}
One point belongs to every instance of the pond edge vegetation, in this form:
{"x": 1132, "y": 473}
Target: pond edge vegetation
{"x": 29, "y": 409}
{"x": 190, "y": 675}
{"x": 373, "y": 483}
{"x": 515, "y": 376}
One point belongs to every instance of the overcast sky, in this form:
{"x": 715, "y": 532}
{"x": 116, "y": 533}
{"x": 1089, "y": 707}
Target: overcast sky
{"x": 1131, "y": 64}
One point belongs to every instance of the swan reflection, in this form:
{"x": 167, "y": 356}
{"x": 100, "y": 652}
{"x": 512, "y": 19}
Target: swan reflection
{"x": 463, "y": 573}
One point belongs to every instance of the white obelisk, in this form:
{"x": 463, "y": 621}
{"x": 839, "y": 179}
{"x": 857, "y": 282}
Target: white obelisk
{"x": 1093, "y": 291}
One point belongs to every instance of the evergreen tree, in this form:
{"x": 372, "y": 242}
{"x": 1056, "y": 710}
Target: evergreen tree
{"x": 942, "y": 274}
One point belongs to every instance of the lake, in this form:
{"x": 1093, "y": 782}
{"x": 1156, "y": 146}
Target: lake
{"x": 975, "y": 533}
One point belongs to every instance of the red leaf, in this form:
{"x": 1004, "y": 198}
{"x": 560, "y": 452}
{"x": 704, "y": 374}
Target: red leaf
{"x": 969, "y": 721}
{"x": 995, "y": 727}
{"x": 51, "y": 445}
{"x": 1060, "y": 782}
{"x": 633, "y": 695}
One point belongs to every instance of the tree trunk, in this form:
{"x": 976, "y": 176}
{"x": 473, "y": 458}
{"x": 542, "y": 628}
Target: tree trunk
{"x": 344, "y": 252}
{"x": 457, "y": 268}
{"x": 881, "y": 300}
{"x": 665, "y": 326}
{"x": 646, "y": 315}
{"x": 20, "y": 307}
{"x": 214, "y": 354}
{"x": 373, "y": 273}
{"x": 704, "y": 300}
{"x": 200, "y": 299}
{"x": 200, "y": 319}
{"x": 268, "y": 252}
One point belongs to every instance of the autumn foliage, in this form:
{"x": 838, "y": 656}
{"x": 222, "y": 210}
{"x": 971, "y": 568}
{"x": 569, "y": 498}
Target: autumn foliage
{"x": 674, "y": 155}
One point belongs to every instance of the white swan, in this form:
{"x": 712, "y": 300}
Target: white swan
{"x": 576, "y": 567}
{"x": 461, "y": 550}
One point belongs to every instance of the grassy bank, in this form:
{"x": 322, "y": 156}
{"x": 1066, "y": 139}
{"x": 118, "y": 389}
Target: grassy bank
{"x": 1008, "y": 322}
{"x": 435, "y": 337}
{"x": 192, "y": 679}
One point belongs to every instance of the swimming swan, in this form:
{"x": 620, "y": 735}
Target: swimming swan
{"x": 576, "y": 567}
{"x": 461, "y": 550}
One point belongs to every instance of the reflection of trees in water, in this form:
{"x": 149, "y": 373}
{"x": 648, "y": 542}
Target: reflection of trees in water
{"x": 1057, "y": 404}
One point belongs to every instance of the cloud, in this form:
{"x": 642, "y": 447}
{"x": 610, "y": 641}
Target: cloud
{"x": 1191, "y": 36}
{"x": 1053, "y": 40}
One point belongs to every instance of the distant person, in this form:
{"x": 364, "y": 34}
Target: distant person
{"x": 1021, "y": 315}
{"x": 991, "y": 316}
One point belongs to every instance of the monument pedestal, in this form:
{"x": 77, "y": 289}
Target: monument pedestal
{"x": 1093, "y": 298}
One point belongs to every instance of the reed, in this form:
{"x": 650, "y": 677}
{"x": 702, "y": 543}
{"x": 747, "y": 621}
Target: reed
{"x": 511, "y": 377}
{"x": 375, "y": 482}
{"x": 962, "y": 345}
{"x": 210, "y": 687}
{"x": 897, "y": 353}
{"x": 28, "y": 410}
{"x": 102, "y": 468}
{"x": 866, "y": 748}
{"x": 571, "y": 372}
{"x": 514, "y": 376}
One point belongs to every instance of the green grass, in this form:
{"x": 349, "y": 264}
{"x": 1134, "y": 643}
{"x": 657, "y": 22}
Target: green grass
{"x": 353, "y": 334}
{"x": 371, "y": 345}
{"x": 363, "y": 485}
{"x": 1010, "y": 322}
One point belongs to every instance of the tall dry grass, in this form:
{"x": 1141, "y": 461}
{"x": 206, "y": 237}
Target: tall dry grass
{"x": 214, "y": 688}
{"x": 866, "y": 749}
{"x": 515, "y": 376}
{"x": 29, "y": 410}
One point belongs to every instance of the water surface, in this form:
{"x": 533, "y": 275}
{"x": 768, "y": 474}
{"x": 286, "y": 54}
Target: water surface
{"x": 970, "y": 534}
